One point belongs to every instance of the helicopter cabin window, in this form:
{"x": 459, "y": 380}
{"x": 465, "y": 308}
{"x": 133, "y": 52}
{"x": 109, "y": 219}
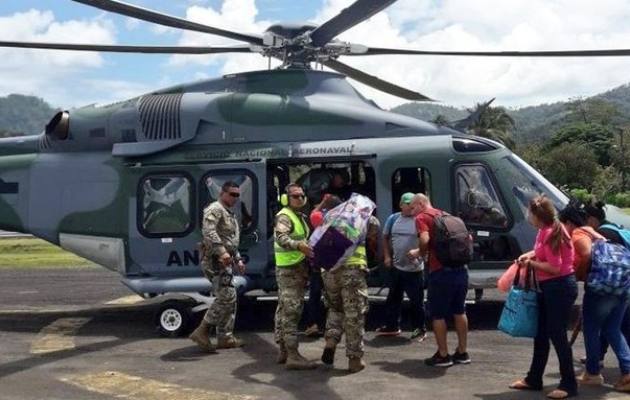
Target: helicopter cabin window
{"x": 527, "y": 183}
{"x": 413, "y": 179}
{"x": 478, "y": 202}
{"x": 318, "y": 179}
{"x": 166, "y": 203}
{"x": 244, "y": 208}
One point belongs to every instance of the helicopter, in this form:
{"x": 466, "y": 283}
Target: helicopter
{"x": 124, "y": 184}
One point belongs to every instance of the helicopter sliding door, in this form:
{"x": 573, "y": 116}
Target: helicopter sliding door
{"x": 165, "y": 228}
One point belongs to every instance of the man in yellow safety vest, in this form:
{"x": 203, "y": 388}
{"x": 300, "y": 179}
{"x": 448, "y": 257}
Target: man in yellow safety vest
{"x": 292, "y": 271}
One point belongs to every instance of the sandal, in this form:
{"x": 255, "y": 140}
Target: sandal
{"x": 521, "y": 384}
{"x": 558, "y": 394}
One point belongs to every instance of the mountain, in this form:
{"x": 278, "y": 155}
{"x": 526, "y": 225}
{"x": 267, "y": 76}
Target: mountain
{"x": 23, "y": 115}
{"x": 533, "y": 123}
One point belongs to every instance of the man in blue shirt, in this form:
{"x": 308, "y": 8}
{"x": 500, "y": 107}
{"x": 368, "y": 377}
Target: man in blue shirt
{"x": 400, "y": 236}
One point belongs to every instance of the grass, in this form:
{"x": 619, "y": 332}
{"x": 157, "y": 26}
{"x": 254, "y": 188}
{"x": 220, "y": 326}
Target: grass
{"x": 37, "y": 253}
{"x": 626, "y": 210}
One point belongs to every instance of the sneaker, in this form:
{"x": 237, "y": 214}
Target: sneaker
{"x": 418, "y": 334}
{"x": 461, "y": 358}
{"x": 438, "y": 361}
{"x": 588, "y": 379}
{"x": 387, "y": 331}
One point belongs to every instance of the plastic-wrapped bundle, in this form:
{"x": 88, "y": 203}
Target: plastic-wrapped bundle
{"x": 343, "y": 229}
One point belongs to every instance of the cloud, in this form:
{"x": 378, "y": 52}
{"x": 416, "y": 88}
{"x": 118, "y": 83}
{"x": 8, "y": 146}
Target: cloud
{"x": 46, "y": 73}
{"x": 493, "y": 25}
{"x": 234, "y": 15}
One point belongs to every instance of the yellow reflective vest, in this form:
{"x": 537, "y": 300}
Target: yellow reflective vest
{"x": 288, "y": 257}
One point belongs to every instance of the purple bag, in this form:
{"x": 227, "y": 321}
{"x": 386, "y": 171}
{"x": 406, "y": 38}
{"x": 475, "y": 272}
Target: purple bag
{"x": 330, "y": 248}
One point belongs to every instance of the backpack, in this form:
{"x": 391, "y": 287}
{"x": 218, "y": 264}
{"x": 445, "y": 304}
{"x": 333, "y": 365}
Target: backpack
{"x": 610, "y": 269}
{"x": 453, "y": 243}
{"x": 623, "y": 233}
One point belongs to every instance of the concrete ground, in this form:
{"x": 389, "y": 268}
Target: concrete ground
{"x": 59, "y": 340}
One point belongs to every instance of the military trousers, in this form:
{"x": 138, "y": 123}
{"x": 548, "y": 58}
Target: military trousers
{"x": 292, "y": 283}
{"x": 346, "y": 297}
{"x": 222, "y": 312}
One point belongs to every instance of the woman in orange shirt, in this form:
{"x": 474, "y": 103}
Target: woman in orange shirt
{"x": 601, "y": 314}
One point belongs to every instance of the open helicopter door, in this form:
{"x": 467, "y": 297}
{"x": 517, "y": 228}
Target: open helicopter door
{"x": 166, "y": 219}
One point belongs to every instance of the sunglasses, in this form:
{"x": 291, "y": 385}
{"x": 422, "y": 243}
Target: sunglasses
{"x": 237, "y": 195}
{"x": 297, "y": 196}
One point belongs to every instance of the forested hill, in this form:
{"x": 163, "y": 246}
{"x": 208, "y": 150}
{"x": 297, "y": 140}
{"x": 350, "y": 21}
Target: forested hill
{"x": 533, "y": 123}
{"x": 23, "y": 115}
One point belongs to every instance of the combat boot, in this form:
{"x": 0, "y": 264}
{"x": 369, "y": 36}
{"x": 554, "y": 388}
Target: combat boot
{"x": 296, "y": 361}
{"x": 282, "y": 353}
{"x": 201, "y": 336}
{"x": 229, "y": 342}
{"x": 328, "y": 356}
{"x": 355, "y": 364}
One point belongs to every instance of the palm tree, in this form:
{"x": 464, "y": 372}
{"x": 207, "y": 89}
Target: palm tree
{"x": 440, "y": 120}
{"x": 493, "y": 123}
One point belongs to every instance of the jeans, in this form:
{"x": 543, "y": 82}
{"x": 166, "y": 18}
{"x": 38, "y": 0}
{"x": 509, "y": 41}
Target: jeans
{"x": 555, "y": 302}
{"x": 314, "y": 306}
{"x": 625, "y": 331}
{"x": 410, "y": 283}
{"x": 604, "y": 314}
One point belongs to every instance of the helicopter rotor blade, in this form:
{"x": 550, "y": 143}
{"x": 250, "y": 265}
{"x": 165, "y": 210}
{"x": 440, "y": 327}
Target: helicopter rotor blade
{"x": 144, "y": 14}
{"x": 373, "y": 51}
{"x": 128, "y": 49}
{"x": 356, "y": 13}
{"x": 375, "y": 82}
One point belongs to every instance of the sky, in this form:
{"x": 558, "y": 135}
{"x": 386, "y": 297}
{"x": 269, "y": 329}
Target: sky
{"x": 71, "y": 79}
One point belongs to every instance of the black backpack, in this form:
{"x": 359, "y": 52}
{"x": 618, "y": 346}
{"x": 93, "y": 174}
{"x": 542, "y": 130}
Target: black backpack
{"x": 452, "y": 242}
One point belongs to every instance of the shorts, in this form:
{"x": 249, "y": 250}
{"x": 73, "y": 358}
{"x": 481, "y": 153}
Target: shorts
{"x": 447, "y": 289}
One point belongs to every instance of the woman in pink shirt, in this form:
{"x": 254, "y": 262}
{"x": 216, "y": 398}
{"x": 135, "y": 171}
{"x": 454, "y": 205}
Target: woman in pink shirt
{"x": 552, "y": 261}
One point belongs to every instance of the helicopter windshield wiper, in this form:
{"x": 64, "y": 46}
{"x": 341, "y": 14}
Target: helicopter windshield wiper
{"x": 128, "y": 49}
{"x": 354, "y": 14}
{"x": 144, "y": 14}
{"x": 375, "y": 82}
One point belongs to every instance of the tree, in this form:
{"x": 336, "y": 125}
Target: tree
{"x": 440, "y": 120}
{"x": 493, "y": 123}
{"x": 595, "y": 135}
{"x": 570, "y": 164}
{"x": 593, "y": 110}
{"x": 607, "y": 183}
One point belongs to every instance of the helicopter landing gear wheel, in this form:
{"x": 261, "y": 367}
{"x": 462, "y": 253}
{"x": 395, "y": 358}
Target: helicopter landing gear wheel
{"x": 173, "y": 318}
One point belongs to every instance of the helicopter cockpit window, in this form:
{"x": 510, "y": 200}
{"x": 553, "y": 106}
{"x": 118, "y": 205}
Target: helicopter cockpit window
{"x": 478, "y": 201}
{"x": 244, "y": 208}
{"x": 527, "y": 183}
{"x": 414, "y": 180}
{"x": 166, "y": 205}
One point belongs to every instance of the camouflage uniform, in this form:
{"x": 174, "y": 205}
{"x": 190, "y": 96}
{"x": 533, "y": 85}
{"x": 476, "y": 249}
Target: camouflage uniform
{"x": 292, "y": 282}
{"x": 220, "y": 235}
{"x": 346, "y": 297}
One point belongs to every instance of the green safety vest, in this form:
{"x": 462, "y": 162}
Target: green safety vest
{"x": 358, "y": 258}
{"x": 287, "y": 257}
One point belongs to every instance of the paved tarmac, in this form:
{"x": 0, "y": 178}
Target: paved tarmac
{"x": 59, "y": 340}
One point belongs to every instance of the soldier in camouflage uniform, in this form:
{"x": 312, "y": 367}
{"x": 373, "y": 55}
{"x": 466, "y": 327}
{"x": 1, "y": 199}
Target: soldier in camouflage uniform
{"x": 346, "y": 297}
{"x": 292, "y": 271}
{"x": 220, "y": 257}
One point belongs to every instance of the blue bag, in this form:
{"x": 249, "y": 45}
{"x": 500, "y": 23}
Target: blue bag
{"x": 610, "y": 269}
{"x": 623, "y": 233}
{"x": 519, "y": 317}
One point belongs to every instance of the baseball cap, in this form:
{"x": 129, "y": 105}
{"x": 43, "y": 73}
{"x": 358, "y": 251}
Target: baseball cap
{"x": 407, "y": 198}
